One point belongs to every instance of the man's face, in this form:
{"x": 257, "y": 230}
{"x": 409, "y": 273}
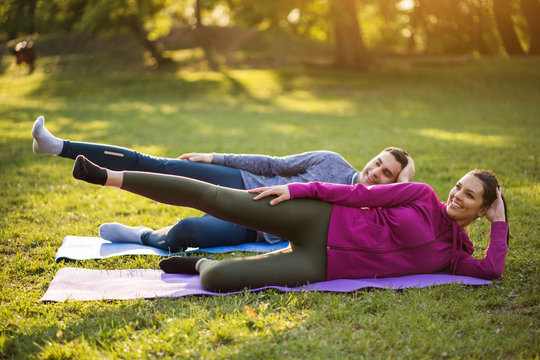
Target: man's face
{"x": 382, "y": 169}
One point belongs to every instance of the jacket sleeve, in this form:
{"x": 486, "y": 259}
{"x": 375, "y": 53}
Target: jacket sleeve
{"x": 271, "y": 165}
{"x": 360, "y": 195}
{"x": 492, "y": 265}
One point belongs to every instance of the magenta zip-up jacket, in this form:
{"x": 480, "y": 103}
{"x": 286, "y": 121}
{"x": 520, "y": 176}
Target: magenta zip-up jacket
{"x": 398, "y": 229}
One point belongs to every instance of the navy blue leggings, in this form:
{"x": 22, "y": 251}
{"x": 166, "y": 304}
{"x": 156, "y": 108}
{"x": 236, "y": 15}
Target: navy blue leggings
{"x": 204, "y": 231}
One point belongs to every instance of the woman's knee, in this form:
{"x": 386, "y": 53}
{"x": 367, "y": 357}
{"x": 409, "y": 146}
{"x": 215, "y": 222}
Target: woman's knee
{"x": 216, "y": 277}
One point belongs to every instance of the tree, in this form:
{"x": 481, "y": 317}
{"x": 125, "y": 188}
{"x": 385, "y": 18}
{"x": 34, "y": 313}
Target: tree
{"x": 505, "y": 25}
{"x": 111, "y": 16}
{"x": 350, "y": 49}
{"x": 202, "y": 37}
{"x": 17, "y": 17}
{"x": 531, "y": 12}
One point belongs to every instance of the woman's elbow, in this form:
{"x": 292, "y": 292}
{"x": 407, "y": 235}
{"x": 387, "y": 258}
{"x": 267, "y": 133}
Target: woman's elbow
{"x": 494, "y": 273}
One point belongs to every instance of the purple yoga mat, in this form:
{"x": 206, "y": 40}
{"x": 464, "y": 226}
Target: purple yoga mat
{"x": 75, "y": 284}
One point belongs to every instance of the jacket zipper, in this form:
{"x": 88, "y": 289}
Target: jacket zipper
{"x": 380, "y": 251}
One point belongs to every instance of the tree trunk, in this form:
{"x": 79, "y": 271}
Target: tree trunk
{"x": 350, "y": 49}
{"x": 31, "y": 16}
{"x": 506, "y": 28}
{"x": 531, "y": 12}
{"x": 202, "y": 38}
{"x": 141, "y": 35}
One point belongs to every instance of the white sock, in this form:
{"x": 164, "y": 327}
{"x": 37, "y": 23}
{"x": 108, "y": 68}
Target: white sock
{"x": 44, "y": 141}
{"x": 117, "y": 232}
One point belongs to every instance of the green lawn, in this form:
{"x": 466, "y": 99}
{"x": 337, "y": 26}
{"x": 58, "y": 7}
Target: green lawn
{"x": 450, "y": 118}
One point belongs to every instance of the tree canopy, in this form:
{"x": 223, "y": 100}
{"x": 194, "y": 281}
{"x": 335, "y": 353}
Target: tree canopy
{"x": 355, "y": 27}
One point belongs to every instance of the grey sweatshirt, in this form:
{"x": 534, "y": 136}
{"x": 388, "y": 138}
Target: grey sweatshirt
{"x": 262, "y": 170}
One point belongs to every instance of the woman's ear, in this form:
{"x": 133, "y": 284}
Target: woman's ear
{"x": 483, "y": 210}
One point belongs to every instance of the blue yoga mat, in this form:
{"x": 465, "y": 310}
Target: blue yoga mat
{"x": 87, "y": 247}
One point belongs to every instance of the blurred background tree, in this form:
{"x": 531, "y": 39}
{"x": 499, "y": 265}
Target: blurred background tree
{"x": 356, "y": 28}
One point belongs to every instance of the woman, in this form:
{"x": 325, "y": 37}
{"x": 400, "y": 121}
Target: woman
{"x": 230, "y": 170}
{"x": 336, "y": 231}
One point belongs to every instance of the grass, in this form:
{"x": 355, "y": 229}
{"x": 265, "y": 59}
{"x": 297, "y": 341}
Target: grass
{"x": 450, "y": 118}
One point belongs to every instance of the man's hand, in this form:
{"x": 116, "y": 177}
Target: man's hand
{"x": 197, "y": 157}
{"x": 281, "y": 191}
{"x": 407, "y": 173}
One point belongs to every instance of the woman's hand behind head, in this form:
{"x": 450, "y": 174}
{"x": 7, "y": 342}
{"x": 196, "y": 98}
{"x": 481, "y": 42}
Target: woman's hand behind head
{"x": 496, "y": 211}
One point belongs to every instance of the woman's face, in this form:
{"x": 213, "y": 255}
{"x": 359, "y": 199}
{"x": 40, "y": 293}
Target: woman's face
{"x": 466, "y": 201}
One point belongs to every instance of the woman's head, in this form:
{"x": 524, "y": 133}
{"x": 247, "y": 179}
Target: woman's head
{"x": 471, "y": 196}
{"x": 489, "y": 183}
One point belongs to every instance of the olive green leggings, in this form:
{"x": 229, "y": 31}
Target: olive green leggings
{"x": 304, "y": 222}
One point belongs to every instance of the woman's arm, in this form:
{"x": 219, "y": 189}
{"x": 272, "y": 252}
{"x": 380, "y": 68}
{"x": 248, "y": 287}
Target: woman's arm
{"x": 355, "y": 196}
{"x": 360, "y": 195}
{"x": 281, "y": 192}
{"x": 492, "y": 265}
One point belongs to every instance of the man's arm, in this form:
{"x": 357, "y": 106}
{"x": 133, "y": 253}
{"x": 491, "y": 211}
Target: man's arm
{"x": 407, "y": 173}
{"x": 263, "y": 165}
{"x": 198, "y": 157}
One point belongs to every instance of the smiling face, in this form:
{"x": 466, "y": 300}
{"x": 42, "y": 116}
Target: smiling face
{"x": 465, "y": 201}
{"x": 382, "y": 169}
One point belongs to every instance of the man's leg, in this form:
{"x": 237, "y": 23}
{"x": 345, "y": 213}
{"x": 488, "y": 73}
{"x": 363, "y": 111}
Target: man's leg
{"x": 119, "y": 159}
{"x": 200, "y": 232}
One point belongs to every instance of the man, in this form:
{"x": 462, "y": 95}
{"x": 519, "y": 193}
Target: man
{"x": 238, "y": 171}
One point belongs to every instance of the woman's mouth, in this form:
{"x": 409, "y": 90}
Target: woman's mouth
{"x": 455, "y": 205}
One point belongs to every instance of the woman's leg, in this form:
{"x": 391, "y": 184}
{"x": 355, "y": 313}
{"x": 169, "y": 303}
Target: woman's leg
{"x": 302, "y": 221}
{"x": 236, "y": 206}
{"x": 290, "y": 267}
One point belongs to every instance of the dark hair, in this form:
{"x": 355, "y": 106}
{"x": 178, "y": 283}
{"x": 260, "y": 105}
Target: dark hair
{"x": 490, "y": 185}
{"x": 399, "y": 154}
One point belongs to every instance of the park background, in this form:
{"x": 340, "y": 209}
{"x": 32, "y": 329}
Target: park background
{"x": 455, "y": 82}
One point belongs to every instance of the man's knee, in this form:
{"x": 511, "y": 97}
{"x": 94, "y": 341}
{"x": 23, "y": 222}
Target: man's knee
{"x": 186, "y": 233}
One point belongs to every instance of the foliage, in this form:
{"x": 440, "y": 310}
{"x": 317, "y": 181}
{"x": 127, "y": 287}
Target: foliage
{"x": 103, "y": 15}
{"x": 420, "y": 26}
{"x": 450, "y": 118}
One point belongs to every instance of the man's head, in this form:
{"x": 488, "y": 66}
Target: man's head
{"x": 385, "y": 167}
